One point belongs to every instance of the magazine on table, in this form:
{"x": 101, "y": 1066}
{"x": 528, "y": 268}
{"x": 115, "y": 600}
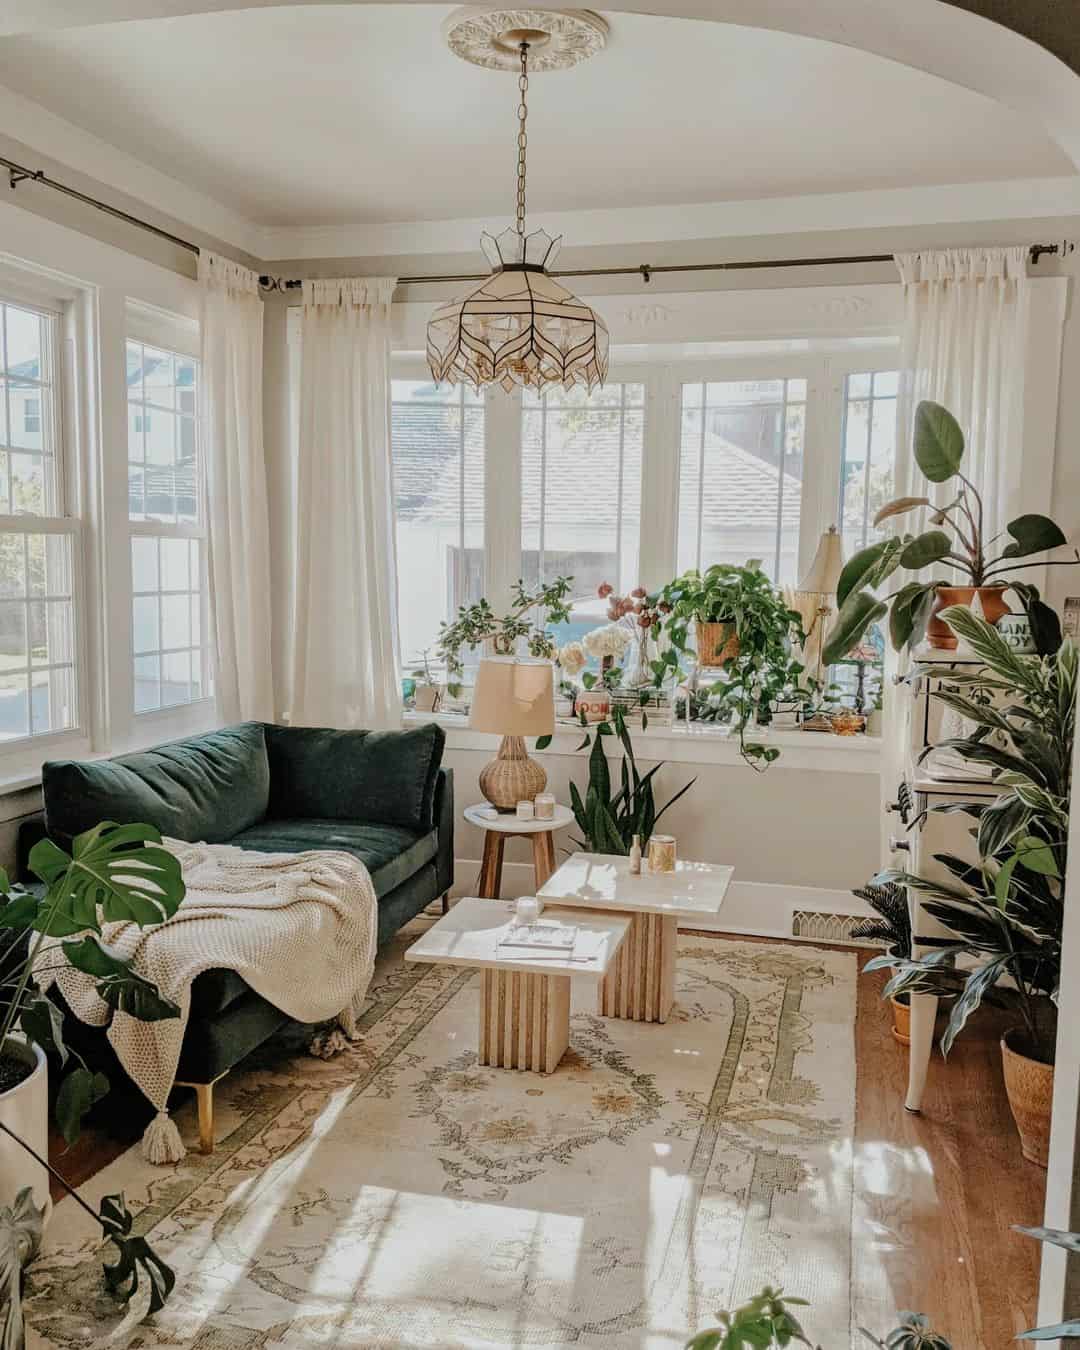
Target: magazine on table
{"x": 541, "y": 936}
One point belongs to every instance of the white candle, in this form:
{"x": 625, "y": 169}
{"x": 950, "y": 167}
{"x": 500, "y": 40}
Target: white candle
{"x": 528, "y": 909}
{"x": 545, "y": 806}
{"x": 525, "y": 811}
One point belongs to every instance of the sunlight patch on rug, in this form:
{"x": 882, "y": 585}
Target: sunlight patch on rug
{"x": 400, "y": 1195}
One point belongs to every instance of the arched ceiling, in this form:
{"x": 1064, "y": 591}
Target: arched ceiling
{"x": 1024, "y": 53}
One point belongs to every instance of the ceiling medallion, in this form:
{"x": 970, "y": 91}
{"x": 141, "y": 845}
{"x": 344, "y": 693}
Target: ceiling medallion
{"x": 489, "y": 37}
{"x": 520, "y": 327}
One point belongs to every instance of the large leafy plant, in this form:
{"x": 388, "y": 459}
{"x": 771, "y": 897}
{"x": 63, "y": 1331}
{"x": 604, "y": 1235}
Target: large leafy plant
{"x": 1007, "y": 910}
{"x": 478, "y": 623}
{"x": 609, "y": 821}
{"x": 765, "y": 666}
{"x": 956, "y": 542}
{"x": 113, "y": 873}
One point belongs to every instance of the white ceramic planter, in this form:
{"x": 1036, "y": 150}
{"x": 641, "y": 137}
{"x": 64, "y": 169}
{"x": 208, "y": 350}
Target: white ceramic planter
{"x": 25, "y": 1109}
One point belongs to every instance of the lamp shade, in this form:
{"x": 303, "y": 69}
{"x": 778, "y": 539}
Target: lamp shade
{"x": 824, "y": 573}
{"x": 514, "y": 698}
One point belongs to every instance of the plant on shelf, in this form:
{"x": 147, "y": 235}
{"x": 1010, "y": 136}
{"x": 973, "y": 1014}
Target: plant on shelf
{"x": 477, "y": 623}
{"x": 429, "y": 684}
{"x": 956, "y": 541}
{"x": 735, "y": 619}
{"x": 892, "y": 927}
{"x": 609, "y": 822}
{"x": 113, "y": 873}
{"x": 1006, "y": 912}
{"x": 768, "y": 1320}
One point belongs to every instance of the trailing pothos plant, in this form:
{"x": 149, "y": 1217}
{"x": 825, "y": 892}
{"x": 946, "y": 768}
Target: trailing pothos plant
{"x": 1006, "y": 911}
{"x": 478, "y": 623}
{"x": 113, "y": 873}
{"x": 609, "y": 821}
{"x": 764, "y": 667}
{"x": 956, "y": 542}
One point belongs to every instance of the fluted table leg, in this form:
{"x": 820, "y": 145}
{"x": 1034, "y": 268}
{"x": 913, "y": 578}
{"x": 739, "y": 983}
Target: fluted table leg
{"x": 640, "y": 986}
{"x": 524, "y": 1019}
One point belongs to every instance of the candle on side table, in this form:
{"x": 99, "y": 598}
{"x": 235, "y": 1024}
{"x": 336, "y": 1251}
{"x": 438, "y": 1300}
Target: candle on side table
{"x": 545, "y": 806}
{"x": 525, "y": 811}
{"x": 662, "y": 853}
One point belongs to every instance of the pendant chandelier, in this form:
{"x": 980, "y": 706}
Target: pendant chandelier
{"x": 520, "y": 326}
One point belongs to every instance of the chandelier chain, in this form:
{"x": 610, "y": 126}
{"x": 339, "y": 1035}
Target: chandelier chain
{"x": 523, "y": 139}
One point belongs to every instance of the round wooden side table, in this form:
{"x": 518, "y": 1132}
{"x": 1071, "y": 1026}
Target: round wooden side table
{"x": 498, "y": 828}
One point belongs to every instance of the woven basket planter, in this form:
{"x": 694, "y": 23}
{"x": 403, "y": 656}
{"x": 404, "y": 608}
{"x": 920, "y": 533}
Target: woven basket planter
{"x": 1030, "y": 1087}
{"x": 716, "y": 643}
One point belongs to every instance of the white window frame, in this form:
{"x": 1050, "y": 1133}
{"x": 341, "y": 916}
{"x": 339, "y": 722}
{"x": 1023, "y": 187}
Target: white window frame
{"x": 30, "y": 289}
{"x": 173, "y": 333}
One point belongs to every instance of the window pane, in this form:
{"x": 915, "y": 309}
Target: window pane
{"x": 581, "y": 494}
{"x": 168, "y": 645}
{"x": 24, "y": 342}
{"x": 438, "y": 457}
{"x": 740, "y": 474}
{"x": 37, "y": 635}
{"x": 28, "y": 473}
{"x": 869, "y": 456}
{"x": 163, "y": 436}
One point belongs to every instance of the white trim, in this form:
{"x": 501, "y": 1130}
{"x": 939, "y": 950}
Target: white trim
{"x": 754, "y": 908}
{"x": 953, "y": 203}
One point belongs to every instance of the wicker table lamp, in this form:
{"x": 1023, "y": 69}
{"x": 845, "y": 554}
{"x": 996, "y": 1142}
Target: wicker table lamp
{"x": 514, "y": 699}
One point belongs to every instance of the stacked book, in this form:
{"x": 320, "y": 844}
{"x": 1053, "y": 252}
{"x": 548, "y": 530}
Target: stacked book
{"x": 657, "y": 707}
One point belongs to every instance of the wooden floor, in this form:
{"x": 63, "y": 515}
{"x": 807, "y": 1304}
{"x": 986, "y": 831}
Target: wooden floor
{"x": 936, "y": 1194}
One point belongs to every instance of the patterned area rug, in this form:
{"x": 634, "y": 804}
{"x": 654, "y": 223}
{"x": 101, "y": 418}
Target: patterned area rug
{"x": 399, "y": 1195}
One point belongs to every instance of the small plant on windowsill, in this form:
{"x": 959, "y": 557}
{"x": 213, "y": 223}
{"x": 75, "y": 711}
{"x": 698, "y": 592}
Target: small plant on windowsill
{"x": 430, "y": 686}
{"x": 477, "y": 623}
{"x": 114, "y": 873}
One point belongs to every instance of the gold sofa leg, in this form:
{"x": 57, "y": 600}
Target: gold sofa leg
{"x": 204, "y": 1094}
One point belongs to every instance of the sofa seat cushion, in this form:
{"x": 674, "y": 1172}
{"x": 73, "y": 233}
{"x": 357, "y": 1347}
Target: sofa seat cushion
{"x": 204, "y": 788}
{"x": 391, "y": 854}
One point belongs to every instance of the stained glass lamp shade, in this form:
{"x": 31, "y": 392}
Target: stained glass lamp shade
{"x": 520, "y": 326}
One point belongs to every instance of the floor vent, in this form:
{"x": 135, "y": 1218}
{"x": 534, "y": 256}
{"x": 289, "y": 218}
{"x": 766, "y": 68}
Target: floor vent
{"x": 823, "y": 927}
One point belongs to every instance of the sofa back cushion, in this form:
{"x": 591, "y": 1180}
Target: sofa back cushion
{"x": 203, "y": 788}
{"x": 377, "y": 777}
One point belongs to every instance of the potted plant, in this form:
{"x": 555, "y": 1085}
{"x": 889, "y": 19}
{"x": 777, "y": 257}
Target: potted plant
{"x": 114, "y": 872}
{"x": 609, "y": 822}
{"x": 956, "y": 542}
{"x": 768, "y": 1320}
{"x": 1006, "y": 913}
{"x": 741, "y": 624}
{"x": 429, "y": 689}
{"x": 476, "y": 624}
{"x": 892, "y": 927}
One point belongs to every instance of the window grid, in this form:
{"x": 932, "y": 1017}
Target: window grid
{"x": 170, "y": 654}
{"x": 874, "y": 394}
{"x": 30, "y": 475}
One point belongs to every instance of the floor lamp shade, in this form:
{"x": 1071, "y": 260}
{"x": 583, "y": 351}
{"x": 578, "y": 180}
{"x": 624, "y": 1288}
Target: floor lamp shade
{"x": 513, "y": 699}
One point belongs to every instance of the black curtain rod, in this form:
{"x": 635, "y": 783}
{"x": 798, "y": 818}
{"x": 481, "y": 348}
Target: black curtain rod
{"x": 19, "y": 173}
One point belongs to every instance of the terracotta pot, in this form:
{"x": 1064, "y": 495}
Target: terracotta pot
{"x": 1029, "y": 1084}
{"x": 716, "y": 643}
{"x": 901, "y": 1019}
{"x": 25, "y": 1109}
{"x": 939, "y": 634}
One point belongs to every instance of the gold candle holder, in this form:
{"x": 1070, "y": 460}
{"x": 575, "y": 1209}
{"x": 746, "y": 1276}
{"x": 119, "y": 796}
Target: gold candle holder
{"x": 662, "y": 853}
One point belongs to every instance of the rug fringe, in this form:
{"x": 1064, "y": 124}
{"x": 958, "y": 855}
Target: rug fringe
{"x": 161, "y": 1142}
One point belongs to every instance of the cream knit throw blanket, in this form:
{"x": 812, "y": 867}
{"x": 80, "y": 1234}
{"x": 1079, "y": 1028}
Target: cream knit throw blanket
{"x": 299, "y": 928}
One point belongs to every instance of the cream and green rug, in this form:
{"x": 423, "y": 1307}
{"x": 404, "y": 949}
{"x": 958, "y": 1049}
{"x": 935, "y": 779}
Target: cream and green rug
{"x": 401, "y": 1196}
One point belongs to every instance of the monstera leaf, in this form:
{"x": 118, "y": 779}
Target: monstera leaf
{"x": 20, "y": 1238}
{"x": 135, "y": 1254}
{"x": 120, "y": 986}
{"x": 115, "y": 872}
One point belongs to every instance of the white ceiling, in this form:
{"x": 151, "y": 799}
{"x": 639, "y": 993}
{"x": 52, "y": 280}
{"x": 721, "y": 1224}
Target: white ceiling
{"x": 328, "y": 115}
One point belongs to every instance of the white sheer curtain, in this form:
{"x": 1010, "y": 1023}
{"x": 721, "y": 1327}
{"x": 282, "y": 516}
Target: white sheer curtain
{"x": 344, "y": 668}
{"x": 965, "y": 346}
{"x": 239, "y": 533}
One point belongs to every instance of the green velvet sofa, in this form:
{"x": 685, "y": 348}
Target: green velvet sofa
{"x": 382, "y": 796}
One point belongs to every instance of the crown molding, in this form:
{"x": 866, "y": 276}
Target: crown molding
{"x": 956, "y": 203}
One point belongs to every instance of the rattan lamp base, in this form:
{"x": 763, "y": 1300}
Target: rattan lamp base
{"x": 511, "y": 777}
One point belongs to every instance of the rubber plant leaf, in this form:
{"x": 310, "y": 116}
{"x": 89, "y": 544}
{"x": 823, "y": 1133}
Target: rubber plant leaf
{"x": 853, "y": 619}
{"x": 938, "y": 442}
{"x": 925, "y": 549}
{"x": 898, "y": 506}
{"x": 1032, "y": 534}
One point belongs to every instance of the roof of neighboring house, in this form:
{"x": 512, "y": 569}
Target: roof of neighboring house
{"x": 740, "y": 487}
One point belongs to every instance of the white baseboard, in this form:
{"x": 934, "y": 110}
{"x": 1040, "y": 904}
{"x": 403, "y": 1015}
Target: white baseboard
{"x": 756, "y": 908}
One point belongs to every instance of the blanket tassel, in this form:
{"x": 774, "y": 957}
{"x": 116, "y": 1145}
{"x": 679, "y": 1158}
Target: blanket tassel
{"x": 161, "y": 1142}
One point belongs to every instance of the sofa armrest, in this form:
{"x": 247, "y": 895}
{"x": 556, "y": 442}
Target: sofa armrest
{"x": 31, "y": 831}
{"x": 444, "y": 825}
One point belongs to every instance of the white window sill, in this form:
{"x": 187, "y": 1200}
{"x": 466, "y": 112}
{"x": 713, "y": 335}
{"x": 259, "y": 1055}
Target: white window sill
{"x": 697, "y": 744}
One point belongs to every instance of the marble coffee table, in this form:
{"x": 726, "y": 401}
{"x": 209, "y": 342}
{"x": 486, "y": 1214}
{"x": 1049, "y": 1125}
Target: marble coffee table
{"x": 524, "y": 998}
{"x": 640, "y": 985}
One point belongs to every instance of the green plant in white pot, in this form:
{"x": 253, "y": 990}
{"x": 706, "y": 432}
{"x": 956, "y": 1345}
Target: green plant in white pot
{"x": 956, "y": 542}
{"x": 113, "y": 873}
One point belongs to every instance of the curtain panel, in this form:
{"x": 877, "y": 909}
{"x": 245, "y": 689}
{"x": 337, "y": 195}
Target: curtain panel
{"x": 231, "y": 403}
{"x": 344, "y": 649}
{"x": 964, "y": 345}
